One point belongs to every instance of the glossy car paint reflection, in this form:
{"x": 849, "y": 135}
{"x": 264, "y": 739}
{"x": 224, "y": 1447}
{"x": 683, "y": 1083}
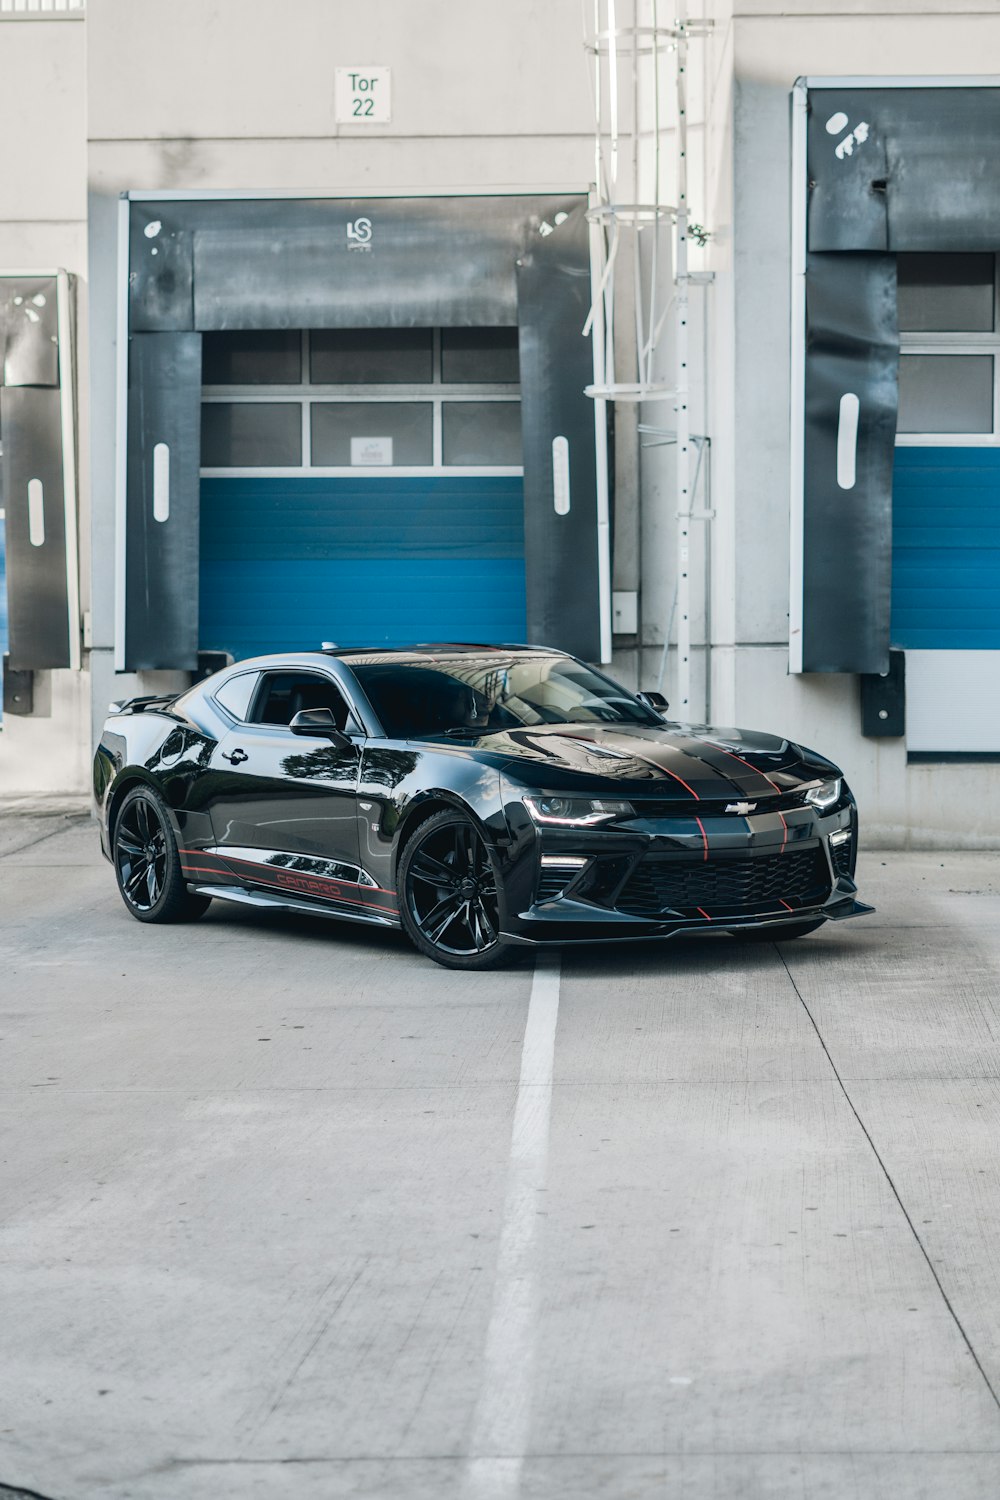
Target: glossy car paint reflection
{"x": 307, "y": 822}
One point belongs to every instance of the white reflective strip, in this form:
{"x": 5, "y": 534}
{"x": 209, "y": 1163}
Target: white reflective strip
{"x": 161, "y": 482}
{"x": 36, "y": 513}
{"x": 560, "y": 475}
{"x": 502, "y": 1421}
{"x": 847, "y": 440}
{"x": 67, "y": 380}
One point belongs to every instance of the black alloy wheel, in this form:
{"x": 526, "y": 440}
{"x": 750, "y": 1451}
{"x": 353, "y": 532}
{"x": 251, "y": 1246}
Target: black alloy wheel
{"x": 147, "y": 864}
{"x": 450, "y": 896}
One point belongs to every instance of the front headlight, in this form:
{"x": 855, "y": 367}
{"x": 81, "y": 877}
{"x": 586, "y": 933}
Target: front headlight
{"x": 575, "y": 812}
{"x": 826, "y": 795}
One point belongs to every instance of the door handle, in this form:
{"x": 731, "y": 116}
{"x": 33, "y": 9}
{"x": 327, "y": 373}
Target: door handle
{"x": 237, "y": 758}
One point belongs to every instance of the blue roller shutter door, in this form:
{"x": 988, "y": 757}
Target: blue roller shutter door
{"x": 946, "y": 549}
{"x": 289, "y": 562}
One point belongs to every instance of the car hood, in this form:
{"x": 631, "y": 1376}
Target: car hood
{"x": 681, "y": 760}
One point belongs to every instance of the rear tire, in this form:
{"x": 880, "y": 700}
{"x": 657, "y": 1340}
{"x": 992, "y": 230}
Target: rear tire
{"x": 147, "y": 865}
{"x": 451, "y": 898}
{"x": 783, "y": 934}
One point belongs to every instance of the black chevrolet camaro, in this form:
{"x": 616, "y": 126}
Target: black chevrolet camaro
{"x": 479, "y": 797}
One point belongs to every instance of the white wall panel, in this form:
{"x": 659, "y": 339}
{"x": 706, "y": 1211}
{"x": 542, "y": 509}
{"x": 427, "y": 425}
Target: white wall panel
{"x": 953, "y": 701}
{"x": 43, "y": 168}
{"x": 231, "y": 69}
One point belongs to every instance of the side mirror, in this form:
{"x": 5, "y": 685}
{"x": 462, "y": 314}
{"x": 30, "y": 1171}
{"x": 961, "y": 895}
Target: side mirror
{"x": 320, "y": 724}
{"x": 654, "y": 700}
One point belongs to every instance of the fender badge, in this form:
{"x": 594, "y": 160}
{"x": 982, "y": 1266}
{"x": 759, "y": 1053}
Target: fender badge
{"x": 741, "y": 807}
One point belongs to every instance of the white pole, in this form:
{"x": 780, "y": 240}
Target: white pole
{"x": 800, "y": 106}
{"x": 683, "y": 448}
{"x": 601, "y": 437}
{"x": 121, "y": 429}
{"x": 67, "y": 410}
{"x": 597, "y": 271}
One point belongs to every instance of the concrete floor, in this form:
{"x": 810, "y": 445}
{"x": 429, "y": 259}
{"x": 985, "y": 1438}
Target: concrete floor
{"x": 285, "y": 1210}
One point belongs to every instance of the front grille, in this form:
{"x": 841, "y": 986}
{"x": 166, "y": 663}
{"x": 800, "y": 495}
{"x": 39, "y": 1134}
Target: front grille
{"x": 709, "y": 807}
{"x": 724, "y": 885}
{"x": 552, "y": 882}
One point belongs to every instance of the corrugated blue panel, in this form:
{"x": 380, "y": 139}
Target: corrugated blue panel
{"x": 254, "y": 519}
{"x": 946, "y": 549}
{"x": 286, "y": 563}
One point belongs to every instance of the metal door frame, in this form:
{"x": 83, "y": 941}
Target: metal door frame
{"x": 180, "y": 195}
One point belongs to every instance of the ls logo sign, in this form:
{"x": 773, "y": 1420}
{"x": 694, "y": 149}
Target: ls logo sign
{"x": 359, "y": 235}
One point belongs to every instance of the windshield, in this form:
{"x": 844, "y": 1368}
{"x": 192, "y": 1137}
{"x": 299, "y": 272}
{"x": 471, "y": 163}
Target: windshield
{"x": 477, "y": 694}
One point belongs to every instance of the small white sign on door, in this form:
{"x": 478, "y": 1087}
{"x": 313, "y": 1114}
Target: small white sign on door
{"x": 363, "y": 96}
{"x": 371, "y": 450}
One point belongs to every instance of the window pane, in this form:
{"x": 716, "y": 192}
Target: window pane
{"x": 482, "y": 432}
{"x": 286, "y": 694}
{"x": 372, "y": 433}
{"x": 945, "y": 293}
{"x": 256, "y": 435}
{"x": 235, "y": 694}
{"x": 371, "y": 356}
{"x": 945, "y": 393}
{"x": 483, "y": 356}
{"x": 255, "y": 358}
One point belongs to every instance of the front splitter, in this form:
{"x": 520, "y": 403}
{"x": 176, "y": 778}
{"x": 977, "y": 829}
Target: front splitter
{"x": 837, "y": 911}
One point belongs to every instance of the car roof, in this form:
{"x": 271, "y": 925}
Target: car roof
{"x": 364, "y": 655}
{"x": 437, "y": 648}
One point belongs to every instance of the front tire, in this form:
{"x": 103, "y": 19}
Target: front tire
{"x": 451, "y": 894}
{"x": 147, "y": 865}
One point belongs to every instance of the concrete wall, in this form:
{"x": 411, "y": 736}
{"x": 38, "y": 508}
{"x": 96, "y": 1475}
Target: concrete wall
{"x": 482, "y": 95}
{"x": 43, "y": 210}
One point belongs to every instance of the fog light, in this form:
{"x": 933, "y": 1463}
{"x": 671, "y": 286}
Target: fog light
{"x": 563, "y": 861}
{"x": 843, "y": 836}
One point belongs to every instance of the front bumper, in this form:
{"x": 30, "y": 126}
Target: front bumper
{"x": 660, "y": 878}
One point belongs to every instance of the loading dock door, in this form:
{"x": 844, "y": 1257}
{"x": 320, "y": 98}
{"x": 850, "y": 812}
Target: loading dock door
{"x": 946, "y": 502}
{"x": 445, "y": 269}
{"x": 363, "y": 486}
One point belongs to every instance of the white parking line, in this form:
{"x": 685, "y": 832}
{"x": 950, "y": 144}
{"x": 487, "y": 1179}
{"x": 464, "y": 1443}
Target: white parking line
{"x": 502, "y": 1422}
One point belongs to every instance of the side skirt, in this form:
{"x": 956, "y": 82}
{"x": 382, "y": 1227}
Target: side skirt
{"x": 261, "y": 899}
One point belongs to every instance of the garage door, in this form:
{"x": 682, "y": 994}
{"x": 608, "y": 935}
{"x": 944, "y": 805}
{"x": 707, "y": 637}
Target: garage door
{"x": 287, "y": 563}
{"x": 946, "y": 503}
{"x": 360, "y": 486}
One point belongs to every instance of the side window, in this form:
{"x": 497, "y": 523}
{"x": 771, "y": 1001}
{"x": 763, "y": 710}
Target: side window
{"x": 284, "y": 694}
{"x": 235, "y": 694}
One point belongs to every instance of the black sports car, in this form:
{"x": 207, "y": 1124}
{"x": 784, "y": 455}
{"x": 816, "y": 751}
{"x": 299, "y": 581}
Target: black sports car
{"x": 477, "y": 796}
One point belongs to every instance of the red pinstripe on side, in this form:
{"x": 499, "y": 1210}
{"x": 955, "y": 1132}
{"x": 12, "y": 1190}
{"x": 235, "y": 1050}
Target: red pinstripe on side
{"x": 704, "y": 913}
{"x": 784, "y": 832}
{"x": 786, "y": 905}
{"x": 225, "y": 859}
{"x": 704, "y": 836}
{"x": 274, "y": 871}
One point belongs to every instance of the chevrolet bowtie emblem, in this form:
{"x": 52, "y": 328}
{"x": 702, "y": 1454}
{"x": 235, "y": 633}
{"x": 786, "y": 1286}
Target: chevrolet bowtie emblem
{"x": 740, "y": 807}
